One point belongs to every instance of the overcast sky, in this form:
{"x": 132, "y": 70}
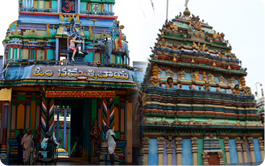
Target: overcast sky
{"x": 242, "y": 22}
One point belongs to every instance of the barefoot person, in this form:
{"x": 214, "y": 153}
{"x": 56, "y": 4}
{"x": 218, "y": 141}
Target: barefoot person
{"x": 27, "y": 143}
{"x": 73, "y": 48}
{"x": 111, "y": 143}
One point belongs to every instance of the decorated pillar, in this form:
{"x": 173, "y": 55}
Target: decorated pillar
{"x": 227, "y": 150}
{"x": 160, "y": 151}
{"x": 261, "y": 147}
{"x": 251, "y": 149}
{"x": 51, "y": 116}
{"x": 169, "y": 150}
{"x": 64, "y": 128}
{"x": 27, "y": 120}
{"x": 111, "y": 116}
{"x": 145, "y": 150}
{"x": 104, "y": 118}
{"x": 44, "y": 106}
{"x": 239, "y": 149}
{"x": 221, "y": 156}
{"x": 205, "y": 158}
{"x": 244, "y": 148}
{"x": 194, "y": 142}
{"x": 178, "y": 150}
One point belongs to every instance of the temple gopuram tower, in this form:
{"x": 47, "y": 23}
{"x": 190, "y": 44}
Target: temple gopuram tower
{"x": 196, "y": 107}
{"x": 66, "y": 70}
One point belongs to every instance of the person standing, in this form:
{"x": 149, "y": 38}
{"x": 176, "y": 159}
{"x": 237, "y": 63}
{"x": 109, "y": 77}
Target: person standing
{"x": 27, "y": 144}
{"x": 111, "y": 138}
{"x": 20, "y": 147}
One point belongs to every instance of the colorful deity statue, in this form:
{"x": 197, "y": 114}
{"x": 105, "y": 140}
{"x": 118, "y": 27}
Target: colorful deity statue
{"x": 236, "y": 89}
{"x": 117, "y": 35}
{"x": 169, "y": 83}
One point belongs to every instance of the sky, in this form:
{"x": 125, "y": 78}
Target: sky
{"x": 242, "y": 22}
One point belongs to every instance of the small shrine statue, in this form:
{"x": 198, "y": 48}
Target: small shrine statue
{"x": 95, "y": 134}
{"x": 72, "y": 46}
{"x": 247, "y": 91}
{"x": 169, "y": 83}
{"x": 236, "y": 90}
{"x": 207, "y": 86}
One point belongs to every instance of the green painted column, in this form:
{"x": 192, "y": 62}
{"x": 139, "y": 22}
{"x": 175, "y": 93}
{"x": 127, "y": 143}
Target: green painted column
{"x": 221, "y": 141}
{"x": 94, "y": 110}
{"x": 200, "y": 150}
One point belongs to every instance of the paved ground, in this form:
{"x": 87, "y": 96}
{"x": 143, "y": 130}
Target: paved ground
{"x": 73, "y": 163}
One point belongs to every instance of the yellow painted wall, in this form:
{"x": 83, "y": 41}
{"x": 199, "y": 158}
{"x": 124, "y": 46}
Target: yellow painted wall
{"x": 25, "y": 54}
{"x": 40, "y": 40}
{"x": 5, "y": 94}
{"x": 46, "y": 4}
{"x": 35, "y": 4}
{"x": 40, "y": 54}
{"x": 21, "y": 117}
{"x": 33, "y": 115}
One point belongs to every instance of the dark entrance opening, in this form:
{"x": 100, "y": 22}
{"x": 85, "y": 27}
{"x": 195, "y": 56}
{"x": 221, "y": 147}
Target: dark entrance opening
{"x": 76, "y": 130}
{"x": 213, "y": 159}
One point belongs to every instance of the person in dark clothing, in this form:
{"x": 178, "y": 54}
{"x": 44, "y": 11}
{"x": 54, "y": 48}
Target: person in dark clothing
{"x": 20, "y": 147}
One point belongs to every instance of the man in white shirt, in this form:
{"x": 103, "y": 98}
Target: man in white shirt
{"x": 111, "y": 138}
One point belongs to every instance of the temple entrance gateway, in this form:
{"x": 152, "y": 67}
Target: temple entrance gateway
{"x": 213, "y": 159}
{"x": 74, "y": 126}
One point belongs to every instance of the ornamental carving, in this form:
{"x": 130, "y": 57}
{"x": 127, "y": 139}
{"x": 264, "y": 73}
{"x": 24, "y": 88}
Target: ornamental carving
{"x": 145, "y": 141}
{"x": 155, "y": 81}
{"x": 160, "y": 140}
{"x": 169, "y": 73}
{"x": 210, "y": 77}
{"x": 195, "y": 76}
{"x": 247, "y": 90}
{"x": 207, "y": 86}
{"x": 178, "y": 139}
{"x": 243, "y": 81}
{"x": 181, "y": 74}
{"x": 231, "y": 81}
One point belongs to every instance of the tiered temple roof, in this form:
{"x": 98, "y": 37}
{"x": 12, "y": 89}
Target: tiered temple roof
{"x": 195, "y": 82}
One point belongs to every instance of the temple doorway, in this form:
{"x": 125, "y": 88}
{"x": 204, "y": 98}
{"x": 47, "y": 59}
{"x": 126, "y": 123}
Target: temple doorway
{"x": 73, "y": 123}
{"x": 213, "y": 159}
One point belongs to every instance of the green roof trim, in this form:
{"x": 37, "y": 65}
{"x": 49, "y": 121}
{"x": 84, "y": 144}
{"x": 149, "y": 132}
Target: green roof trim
{"x": 208, "y": 30}
{"x": 180, "y": 25}
{"x": 69, "y": 83}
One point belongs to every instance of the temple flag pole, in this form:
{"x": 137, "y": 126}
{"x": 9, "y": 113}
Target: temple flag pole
{"x": 167, "y": 10}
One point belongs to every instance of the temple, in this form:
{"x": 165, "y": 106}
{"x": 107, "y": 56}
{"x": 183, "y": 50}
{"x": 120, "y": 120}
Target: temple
{"x": 66, "y": 70}
{"x": 196, "y": 107}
